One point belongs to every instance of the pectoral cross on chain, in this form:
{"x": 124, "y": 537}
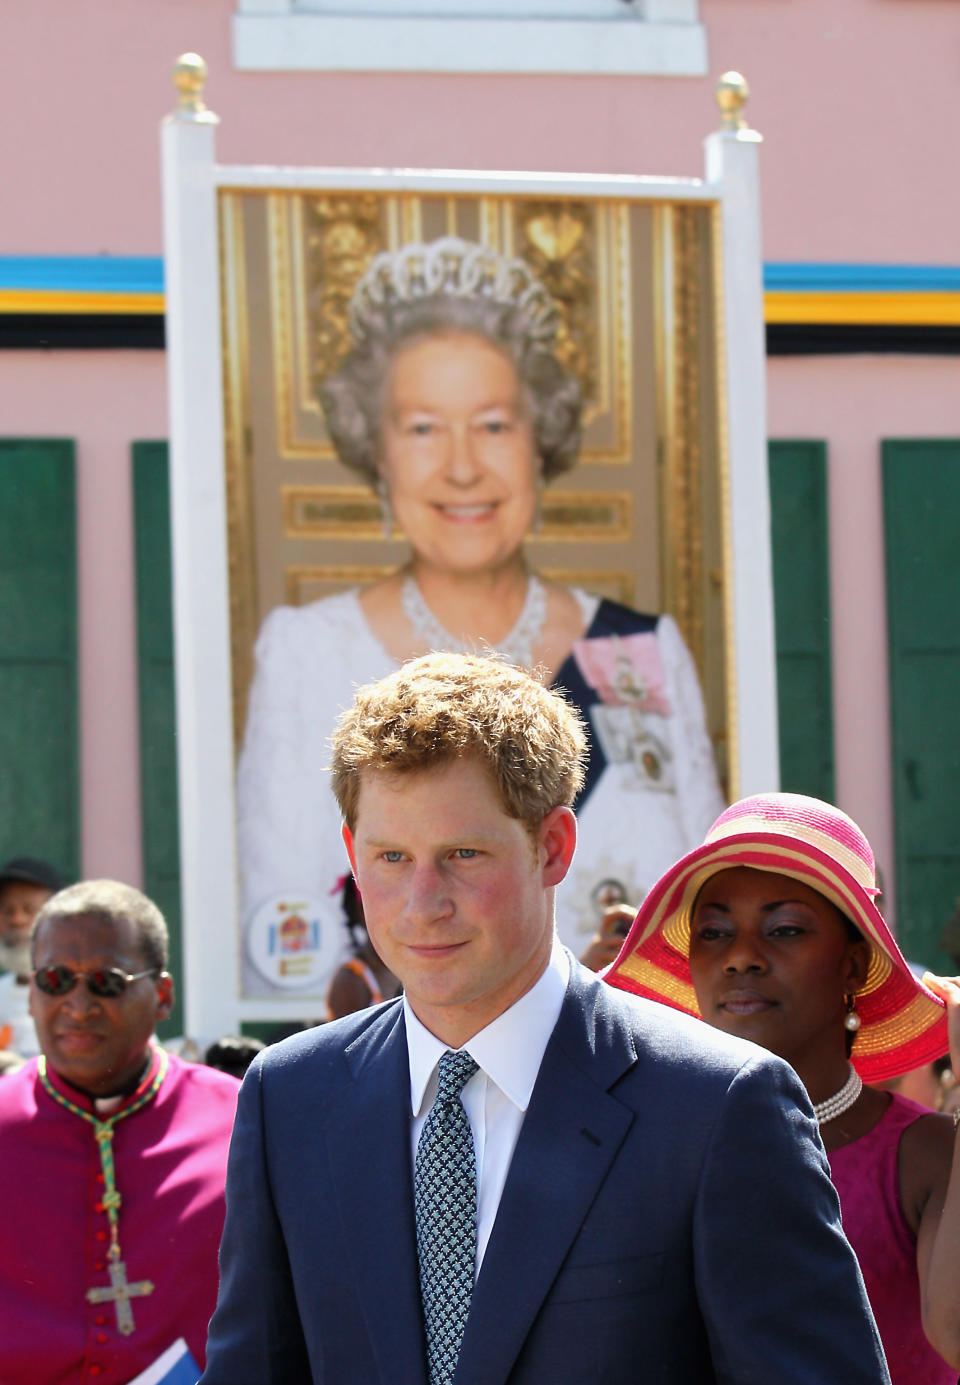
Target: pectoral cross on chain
{"x": 119, "y": 1294}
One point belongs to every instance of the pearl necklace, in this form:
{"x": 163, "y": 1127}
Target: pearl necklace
{"x": 517, "y": 645}
{"x": 840, "y": 1101}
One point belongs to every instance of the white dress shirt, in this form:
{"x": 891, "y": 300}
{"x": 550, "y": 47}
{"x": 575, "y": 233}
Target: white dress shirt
{"x": 508, "y": 1053}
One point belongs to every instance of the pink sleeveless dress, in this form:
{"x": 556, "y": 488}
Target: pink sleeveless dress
{"x": 865, "y": 1175}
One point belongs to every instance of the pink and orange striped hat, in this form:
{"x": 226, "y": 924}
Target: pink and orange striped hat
{"x": 903, "y": 1025}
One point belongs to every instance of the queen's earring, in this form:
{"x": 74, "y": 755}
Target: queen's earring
{"x": 537, "y": 524}
{"x": 386, "y": 510}
{"x": 852, "y": 1020}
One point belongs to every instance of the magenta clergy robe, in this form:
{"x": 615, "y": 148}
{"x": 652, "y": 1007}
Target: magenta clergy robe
{"x": 171, "y": 1159}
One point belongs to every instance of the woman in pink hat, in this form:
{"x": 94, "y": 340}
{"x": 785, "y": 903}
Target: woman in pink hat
{"x": 769, "y": 931}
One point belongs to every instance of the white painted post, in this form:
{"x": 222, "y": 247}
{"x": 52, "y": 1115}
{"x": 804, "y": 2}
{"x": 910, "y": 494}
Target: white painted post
{"x": 732, "y": 166}
{"x": 201, "y": 604}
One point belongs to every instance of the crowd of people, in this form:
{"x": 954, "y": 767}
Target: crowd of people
{"x": 680, "y": 1158}
{"x": 515, "y": 1169}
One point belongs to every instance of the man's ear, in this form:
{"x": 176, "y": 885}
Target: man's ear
{"x": 165, "y": 995}
{"x": 557, "y": 839}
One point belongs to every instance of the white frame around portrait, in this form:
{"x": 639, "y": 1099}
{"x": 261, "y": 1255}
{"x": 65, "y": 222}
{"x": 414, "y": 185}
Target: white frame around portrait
{"x": 192, "y": 180}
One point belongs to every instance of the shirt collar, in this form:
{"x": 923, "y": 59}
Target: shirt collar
{"x": 95, "y": 1105}
{"x": 509, "y": 1050}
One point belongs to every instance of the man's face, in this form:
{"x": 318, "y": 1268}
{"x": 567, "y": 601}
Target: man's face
{"x": 457, "y": 895}
{"x": 97, "y": 1044}
{"x": 20, "y": 902}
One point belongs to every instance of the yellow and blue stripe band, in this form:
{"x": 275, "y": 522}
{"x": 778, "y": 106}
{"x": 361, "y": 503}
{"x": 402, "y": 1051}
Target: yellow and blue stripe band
{"x": 867, "y": 295}
{"x": 85, "y": 284}
{"x": 796, "y": 293}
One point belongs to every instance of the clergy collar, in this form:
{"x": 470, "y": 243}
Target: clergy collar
{"x": 106, "y": 1105}
{"x": 509, "y": 1050}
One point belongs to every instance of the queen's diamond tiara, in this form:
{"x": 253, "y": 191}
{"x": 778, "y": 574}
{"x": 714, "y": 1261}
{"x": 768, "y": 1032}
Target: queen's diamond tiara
{"x": 455, "y": 267}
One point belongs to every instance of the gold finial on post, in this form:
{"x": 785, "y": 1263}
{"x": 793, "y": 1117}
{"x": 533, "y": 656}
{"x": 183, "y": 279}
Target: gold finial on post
{"x": 189, "y": 78}
{"x": 732, "y": 93}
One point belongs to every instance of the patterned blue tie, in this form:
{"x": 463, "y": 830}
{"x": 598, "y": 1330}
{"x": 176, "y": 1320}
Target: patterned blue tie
{"x": 445, "y": 1203}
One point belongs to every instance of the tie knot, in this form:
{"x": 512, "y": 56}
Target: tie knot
{"x": 454, "y": 1071}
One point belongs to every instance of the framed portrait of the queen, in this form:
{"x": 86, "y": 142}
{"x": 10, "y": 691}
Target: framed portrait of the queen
{"x": 468, "y": 412}
{"x": 475, "y": 423}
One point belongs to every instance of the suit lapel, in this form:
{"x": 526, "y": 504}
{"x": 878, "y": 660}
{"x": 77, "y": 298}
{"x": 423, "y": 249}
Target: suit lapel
{"x": 570, "y": 1136}
{"x": 368, "y": 1142}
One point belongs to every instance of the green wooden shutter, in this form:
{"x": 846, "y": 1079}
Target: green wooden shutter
{"x": 39, "y": 725}
{"x": 801, "y": 594}
{"x": 921, "y": 496}
{"x": 158, "y": 725}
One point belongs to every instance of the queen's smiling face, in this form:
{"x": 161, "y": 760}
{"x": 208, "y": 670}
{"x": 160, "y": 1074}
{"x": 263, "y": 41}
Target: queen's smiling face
{"x": 457, "y": 452}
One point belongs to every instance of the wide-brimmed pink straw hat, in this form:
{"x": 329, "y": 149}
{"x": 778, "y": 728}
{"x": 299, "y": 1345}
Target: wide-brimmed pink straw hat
{"x": 903, "y": 1025}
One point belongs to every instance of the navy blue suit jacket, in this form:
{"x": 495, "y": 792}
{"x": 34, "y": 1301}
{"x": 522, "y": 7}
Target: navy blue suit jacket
{"x": 668, "y": 1217}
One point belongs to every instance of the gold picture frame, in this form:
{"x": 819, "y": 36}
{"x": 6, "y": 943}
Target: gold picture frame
{"x": 641, "y": 516}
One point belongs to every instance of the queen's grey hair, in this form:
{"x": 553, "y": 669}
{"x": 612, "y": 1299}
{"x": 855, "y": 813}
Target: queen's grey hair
{"x": 353, "y": 396}
{"x": 111, "y": 900}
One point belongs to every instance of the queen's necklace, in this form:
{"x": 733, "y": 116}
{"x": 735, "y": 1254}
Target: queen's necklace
{"x": 840, "y": 1101}
{"x": 120, "y": 1291}
{"x": 516, "y": 647}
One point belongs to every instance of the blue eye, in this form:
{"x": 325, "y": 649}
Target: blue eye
{"x": 393, "y": 856}
{"x": 466, "y": 853}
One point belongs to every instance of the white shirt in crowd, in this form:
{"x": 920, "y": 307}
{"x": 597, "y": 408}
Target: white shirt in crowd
{"x": 15, "y": 1014}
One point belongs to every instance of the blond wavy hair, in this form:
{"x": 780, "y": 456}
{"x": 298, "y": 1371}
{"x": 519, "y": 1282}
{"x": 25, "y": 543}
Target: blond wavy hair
{"x": 445, "y": 707}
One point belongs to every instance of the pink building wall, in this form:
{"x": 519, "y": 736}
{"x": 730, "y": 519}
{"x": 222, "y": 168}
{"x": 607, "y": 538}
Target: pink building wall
{"x": 857, "y": 103}
{"x": 855, "y": 402}
{"x": 856, "y": 100}
{"x": 105, "y": 400}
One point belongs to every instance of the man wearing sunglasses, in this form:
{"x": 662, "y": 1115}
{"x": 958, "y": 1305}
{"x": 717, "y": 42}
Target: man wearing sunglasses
{"x": 117, "y": 1152}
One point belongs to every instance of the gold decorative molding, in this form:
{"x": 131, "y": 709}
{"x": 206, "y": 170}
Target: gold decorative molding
{"x": 557, "y": 241}
{"x": 683, "y": 596}
{"x": 581, "y": 253}
{"x": 343, "y": 234}
{"x": 320, "y": 245}
{"x": 331, "y": 512}
{"x": 728, "y": 746}
{"x": 287, "y": 326}
{"x": 576, "y": 516}
{"x": 241, "y": 553}
{"x": 693, "y": 463}
{"x": 304, "y": 582}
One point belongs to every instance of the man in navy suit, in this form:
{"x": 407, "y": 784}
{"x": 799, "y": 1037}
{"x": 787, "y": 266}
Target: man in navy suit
{"x": 629, "y": 1195}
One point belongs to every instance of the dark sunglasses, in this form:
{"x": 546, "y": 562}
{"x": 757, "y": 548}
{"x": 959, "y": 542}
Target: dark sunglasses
{"x": 105, "y": 982}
